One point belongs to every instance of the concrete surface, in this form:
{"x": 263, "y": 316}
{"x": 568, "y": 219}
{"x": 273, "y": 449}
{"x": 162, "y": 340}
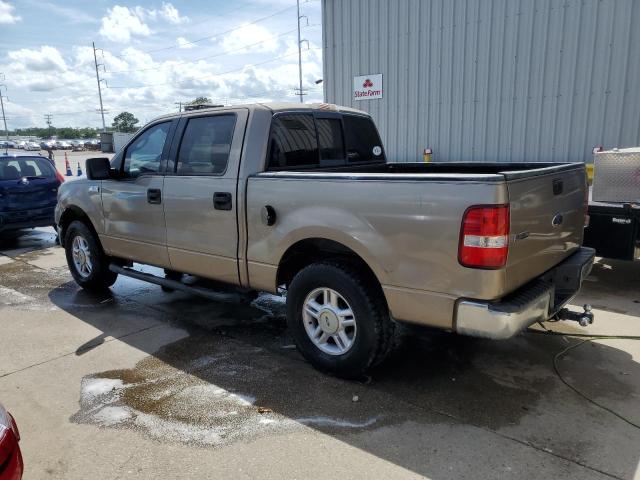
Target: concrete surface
{"x": 139, "y": 383}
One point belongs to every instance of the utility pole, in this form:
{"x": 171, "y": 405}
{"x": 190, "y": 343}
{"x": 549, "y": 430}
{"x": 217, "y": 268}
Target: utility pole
{"x": 95, "y": 60}
{"x": 4, "y": 119}
{"x": 179, "y": 106}
{"x": 300, "y": 92}
{"x": 47, "y": 118}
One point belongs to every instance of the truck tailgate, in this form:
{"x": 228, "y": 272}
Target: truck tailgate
{"x": 547, "y": 220}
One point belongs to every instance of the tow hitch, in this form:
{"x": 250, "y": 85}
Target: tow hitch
{"x": 584, "y": 318}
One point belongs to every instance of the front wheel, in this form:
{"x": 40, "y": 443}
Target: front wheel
{"x": 87, "y": 263}
{"x": 338, "y": 319}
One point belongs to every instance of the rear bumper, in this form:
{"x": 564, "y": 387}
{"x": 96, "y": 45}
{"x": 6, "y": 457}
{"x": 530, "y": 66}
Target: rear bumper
{"x": 537, "y": 301}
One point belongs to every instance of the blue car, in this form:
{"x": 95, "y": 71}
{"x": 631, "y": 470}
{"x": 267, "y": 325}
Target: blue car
{"x": 28, "y": 192}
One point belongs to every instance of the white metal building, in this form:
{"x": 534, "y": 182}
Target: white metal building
{"x": 492, "y": 80}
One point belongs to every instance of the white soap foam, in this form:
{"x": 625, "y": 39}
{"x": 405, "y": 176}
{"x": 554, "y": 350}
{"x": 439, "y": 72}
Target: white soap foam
{"x": 93, "y": 387}
{"x": 111, "y": 416}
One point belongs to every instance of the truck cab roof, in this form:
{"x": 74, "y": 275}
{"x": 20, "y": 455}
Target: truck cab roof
{"x": 274, "y": 107}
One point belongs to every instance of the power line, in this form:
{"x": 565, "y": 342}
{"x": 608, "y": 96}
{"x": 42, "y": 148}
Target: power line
{"x": 207, "y": 57}
{"x": 193, "y": 42}
{"x": 167, "y": 108}
{"x": 213, "y": 75}
{"x": 218, "y": 14}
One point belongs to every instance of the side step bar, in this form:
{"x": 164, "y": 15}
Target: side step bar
{"x": 183, "y": 287}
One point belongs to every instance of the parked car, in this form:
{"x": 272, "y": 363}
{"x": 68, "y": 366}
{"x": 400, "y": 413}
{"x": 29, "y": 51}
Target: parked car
{"x": 11, "y": 144}
{"x": 63, "y": 145}
{"x": 21, "y": 144}
{"x": 11, "y": 464}
{"x": 301, "y": 198}
{"x": 77, "y": 145}
{"x": 28, "y": 190}
{"x": 92, "y": 145}
{"x": 32, "y": 146}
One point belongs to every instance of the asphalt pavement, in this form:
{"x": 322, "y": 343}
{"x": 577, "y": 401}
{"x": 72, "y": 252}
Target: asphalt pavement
{"x": 140, "y": 383}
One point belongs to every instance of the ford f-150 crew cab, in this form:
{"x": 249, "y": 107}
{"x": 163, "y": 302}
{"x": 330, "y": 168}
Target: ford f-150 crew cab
{"x": 302, "y": 199}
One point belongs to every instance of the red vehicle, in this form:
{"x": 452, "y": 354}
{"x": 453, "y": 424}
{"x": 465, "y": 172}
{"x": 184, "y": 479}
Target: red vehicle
{"x": 11, "y": 465}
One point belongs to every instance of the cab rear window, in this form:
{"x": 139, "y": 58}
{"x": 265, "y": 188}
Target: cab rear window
{"x": 304, "y": 141}
{"x": 16, "y": 168}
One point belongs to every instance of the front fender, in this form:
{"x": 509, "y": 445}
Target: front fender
{"x": 81, "y": 198}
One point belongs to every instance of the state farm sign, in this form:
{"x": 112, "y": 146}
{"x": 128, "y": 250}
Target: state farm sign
{"x": 367, "y": 87}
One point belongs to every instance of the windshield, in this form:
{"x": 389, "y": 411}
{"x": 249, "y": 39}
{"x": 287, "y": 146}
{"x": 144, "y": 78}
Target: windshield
{"x": 30, "y": 167}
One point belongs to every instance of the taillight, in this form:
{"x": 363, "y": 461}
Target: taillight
{"x": 484, "y": 237}
{"x": 7, "y": 422}
{"x": 59, "y": 176}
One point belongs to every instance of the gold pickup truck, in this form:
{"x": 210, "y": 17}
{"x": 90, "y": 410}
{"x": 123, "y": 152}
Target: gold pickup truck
{"x": 302, "y": 199}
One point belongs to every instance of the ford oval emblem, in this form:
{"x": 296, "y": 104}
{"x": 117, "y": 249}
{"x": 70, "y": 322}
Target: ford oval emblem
{"x": 557, "y": 220}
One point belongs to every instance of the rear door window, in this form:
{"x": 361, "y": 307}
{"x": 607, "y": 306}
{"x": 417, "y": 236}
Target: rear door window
{"x": 293, "y": 142}
{"x": 362, "y": 141}
{"x": 205, "y": 145}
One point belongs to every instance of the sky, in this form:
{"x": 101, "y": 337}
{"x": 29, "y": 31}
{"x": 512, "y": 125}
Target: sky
{"x": 152, "y": 55}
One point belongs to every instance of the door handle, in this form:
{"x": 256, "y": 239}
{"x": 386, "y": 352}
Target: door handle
{"x": 222, "y": 201}
{"x": 154, "y": 195}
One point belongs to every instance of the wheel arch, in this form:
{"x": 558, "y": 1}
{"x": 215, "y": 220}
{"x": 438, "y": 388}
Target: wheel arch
{"x": 307, "y": 251}
{"x": 71, "y": 214}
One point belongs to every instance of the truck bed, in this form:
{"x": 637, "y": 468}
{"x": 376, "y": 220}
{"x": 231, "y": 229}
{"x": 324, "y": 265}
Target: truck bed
{"x": 404, "y": 220}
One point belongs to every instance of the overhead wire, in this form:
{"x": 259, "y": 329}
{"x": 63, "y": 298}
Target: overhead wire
{"x": 213, "y": 75}
{"x": 207, "y": 57}
{"x": 208, "y": 37}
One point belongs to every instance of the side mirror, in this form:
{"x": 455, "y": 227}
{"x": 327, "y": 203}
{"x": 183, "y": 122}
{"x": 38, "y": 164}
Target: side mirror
{"x": 98, "y": 168}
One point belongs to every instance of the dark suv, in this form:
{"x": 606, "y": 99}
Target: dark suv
{"x": 28, "y": 192}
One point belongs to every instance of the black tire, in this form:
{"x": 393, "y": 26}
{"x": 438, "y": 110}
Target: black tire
{"x": 170, "y": 275}
{"x": 100, "y": 278}
{"x": 375, "y": 329}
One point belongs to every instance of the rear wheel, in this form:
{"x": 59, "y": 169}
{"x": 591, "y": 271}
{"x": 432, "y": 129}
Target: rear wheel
{"x": 87, "y": 262}
{"x": 338, "y": 319}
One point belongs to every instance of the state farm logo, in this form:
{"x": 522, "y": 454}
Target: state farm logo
{"x": 367, "y": 87}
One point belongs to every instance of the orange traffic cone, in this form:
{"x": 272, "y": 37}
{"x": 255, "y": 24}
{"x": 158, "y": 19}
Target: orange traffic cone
{"x": 67, "y": 166}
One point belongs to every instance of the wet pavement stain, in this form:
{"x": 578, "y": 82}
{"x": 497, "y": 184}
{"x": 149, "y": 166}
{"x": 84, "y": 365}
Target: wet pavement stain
{"x": 211, "y": 390}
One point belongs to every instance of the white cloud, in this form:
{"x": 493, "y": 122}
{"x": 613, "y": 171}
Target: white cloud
{"x": 46, "y": 59}
{"x": 167, "y": 12}
{"x": 121, "y": 23}
{"x": 171, "y": 14}
{"x": 184, "y": 43}
{"x": 6, "y": 13}
{"x": 248, "y": 35}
